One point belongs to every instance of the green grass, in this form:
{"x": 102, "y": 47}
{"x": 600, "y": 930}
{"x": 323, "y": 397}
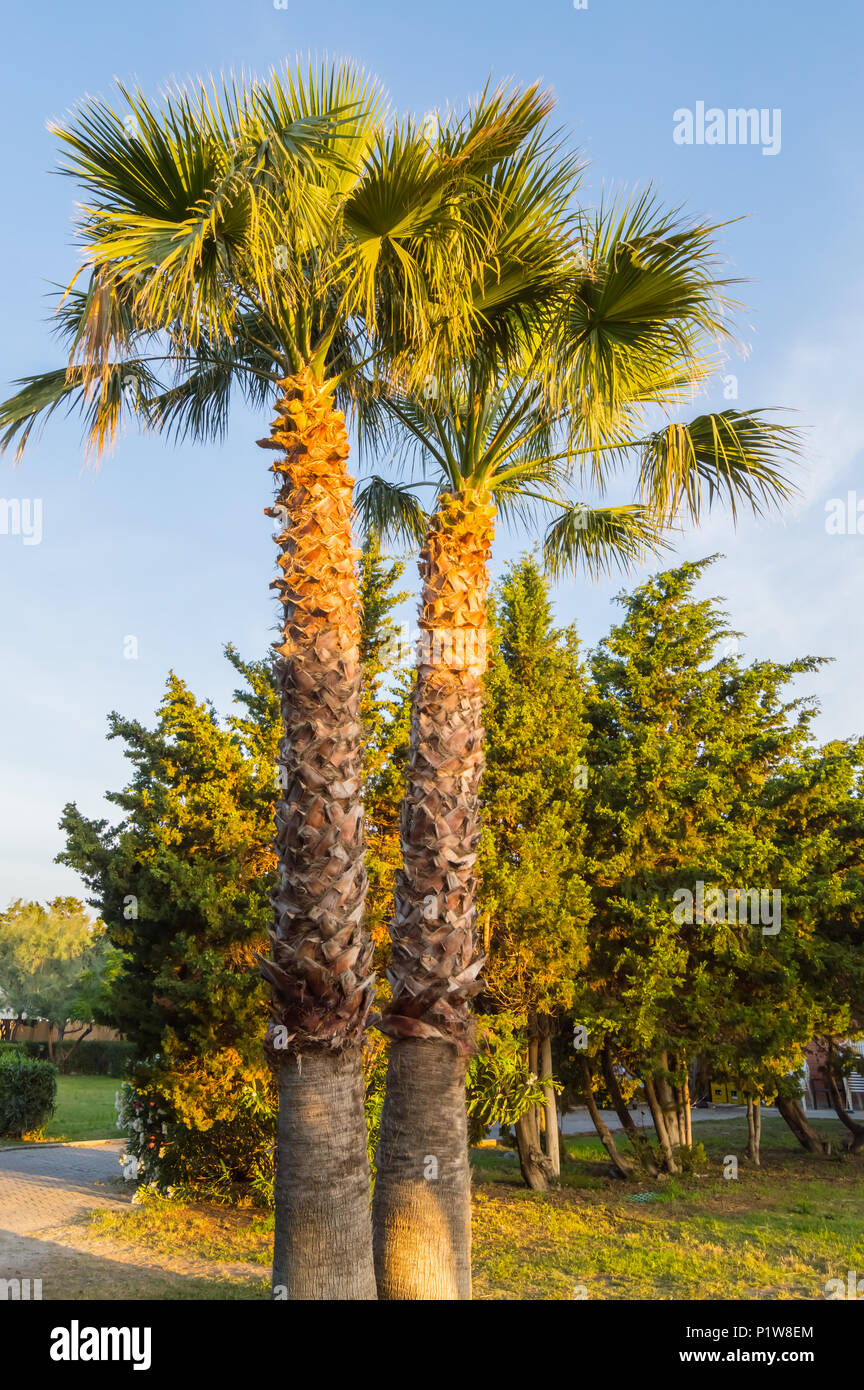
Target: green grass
{"x": 778, "y": 1232}
{"x": 192, "y": 1229}
{"x": 84, "y": 1110}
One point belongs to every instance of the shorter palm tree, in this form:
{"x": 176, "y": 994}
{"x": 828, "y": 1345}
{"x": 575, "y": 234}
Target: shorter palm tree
{"x": 581, "y": 337}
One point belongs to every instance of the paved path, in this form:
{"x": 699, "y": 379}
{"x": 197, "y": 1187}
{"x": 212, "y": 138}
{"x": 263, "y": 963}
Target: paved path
{"x": 45, "y": 1192}
{"x": 42, "y": 1187}
{"x": 579, "y": 1121}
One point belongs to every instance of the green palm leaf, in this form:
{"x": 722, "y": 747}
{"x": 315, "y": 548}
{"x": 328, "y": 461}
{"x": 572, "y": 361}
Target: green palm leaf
{"x": 598, "y": 539}
{"x": 733, "y": 457}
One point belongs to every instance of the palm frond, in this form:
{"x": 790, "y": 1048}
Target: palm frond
{"x": 732, "y": 456}
{"x": 390, "y": 511}
{"x": 123, "y": 390}
{"x": 598, "y": 539}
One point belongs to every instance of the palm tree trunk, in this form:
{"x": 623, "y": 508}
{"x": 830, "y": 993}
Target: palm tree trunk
{"x": 321, "y": 960}
{"x": 433, "y": 971}
{"x": 423, "y": 1222}
{"x": 323, "y": 1235}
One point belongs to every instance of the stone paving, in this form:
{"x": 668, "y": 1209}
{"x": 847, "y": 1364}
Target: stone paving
{"x": 41, "y": 1187}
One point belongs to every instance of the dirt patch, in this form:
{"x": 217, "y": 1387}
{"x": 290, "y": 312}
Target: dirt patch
{"x": 73, "y": 1263}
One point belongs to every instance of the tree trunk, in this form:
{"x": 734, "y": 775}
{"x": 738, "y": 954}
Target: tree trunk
{"x": 534, "y": 1166}
{"x": 669, "y": 1161}
{"x": 433, "y": 972}
{"x": 321, "y": 960}
{"x": 804, "y": 1132}
{"x": 65, "y": 1063}
{"x": 638, "y": 1140}
{"x": 667, "y": 1102}
{"x": 623, "y": 1168}
{"x": 754, "y": 1129}
{"x": 552, "y": 1151}
{"x": 323, "y": 1230}
{"x": 422, "y": 1203}
{"x": 533, "y": 1163}
{"x": 688, "y": 1111}
{"x": 837, "y": 1100}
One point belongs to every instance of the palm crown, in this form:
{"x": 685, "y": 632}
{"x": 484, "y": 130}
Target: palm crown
{"x": 591, "y": 325}
{"x": 236, "y": 236}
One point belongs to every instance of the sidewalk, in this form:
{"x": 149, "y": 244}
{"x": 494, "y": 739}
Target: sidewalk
{"x": 579, "y": 1121}
{"x": 45, "y": 1185}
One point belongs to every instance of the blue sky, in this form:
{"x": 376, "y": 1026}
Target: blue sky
{"x": 170, "y": 545}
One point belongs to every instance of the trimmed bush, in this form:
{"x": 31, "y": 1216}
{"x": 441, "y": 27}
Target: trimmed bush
{"x": 88, "y": 1059}
{"x": 28, "y": 1091}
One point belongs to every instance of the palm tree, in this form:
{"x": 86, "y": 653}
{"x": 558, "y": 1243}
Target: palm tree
{"x": 276, "y": 236}
{"x": 604, "y": 319}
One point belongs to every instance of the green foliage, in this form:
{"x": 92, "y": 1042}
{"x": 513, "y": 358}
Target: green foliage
{"x": 534, "y": 905}
{"x": 258, "y": 229}
{"x": 87, "y": 1058}
{"x": 182, "y": 880}
{"x": 49, "y": 959}
{"x": 703, "y": 770}
{"x": 191, "y": 1137}
{"x": 183, "y": 884}
{"x": 28, "y": 1090}
{"x": 501, "y": 1089}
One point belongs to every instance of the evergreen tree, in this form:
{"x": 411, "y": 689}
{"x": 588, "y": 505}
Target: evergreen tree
{"x": 534, "y": 903}
{"x": 686, "y": 748}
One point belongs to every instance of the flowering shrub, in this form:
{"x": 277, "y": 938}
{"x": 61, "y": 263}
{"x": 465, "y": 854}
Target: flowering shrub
{"x": 144, "y": 1125}
{"x": 207, "y": 1131}
{"x": 204, "y": 1130}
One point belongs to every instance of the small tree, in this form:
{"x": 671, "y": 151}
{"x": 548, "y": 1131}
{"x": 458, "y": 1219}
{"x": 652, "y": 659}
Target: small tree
{"x": 534, "y": 904}
{"x": 686, "y": 749}
{"x": 46, "y": 955}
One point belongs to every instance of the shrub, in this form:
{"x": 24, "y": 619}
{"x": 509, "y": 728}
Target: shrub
{"x": 98, "y": 1059}
{"x": 206, "y": 1130}
{"x": 28, "y": 1090}
{"x": 88, "y": 1058}
{"x": 203, "y": 1130}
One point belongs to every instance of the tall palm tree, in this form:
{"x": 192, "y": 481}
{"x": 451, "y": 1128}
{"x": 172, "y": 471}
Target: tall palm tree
{"x": 605, "y": 318}
{"x": 276, "y": 235}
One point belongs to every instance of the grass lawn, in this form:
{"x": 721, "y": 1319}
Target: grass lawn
{"x": 774, "y": 1233}
{"x": 84, "y": 1110}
